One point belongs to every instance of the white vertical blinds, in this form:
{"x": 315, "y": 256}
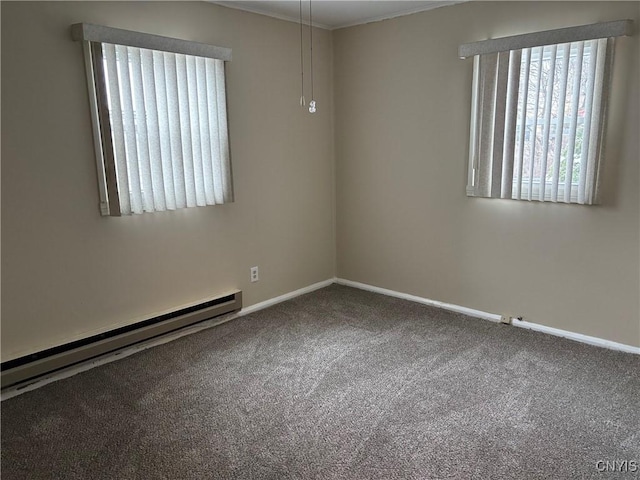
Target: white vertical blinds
{"x": 540, "y": 122}
{"x": 167, "y": 113}
{"x": 538, "y": 112}
{"x": 159, "y": 114}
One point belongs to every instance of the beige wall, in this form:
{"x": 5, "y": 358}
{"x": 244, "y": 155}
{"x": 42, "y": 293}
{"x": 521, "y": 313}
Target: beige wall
{"x": 67, "y": 272}
{"x": 403, "y": 222}
{"x": 402, "y": 101}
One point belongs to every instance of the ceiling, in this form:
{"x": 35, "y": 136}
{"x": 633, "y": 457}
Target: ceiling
{"x": 332, "y": 14}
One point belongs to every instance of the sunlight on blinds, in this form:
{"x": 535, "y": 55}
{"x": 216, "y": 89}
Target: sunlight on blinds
{"x": 539, "y": 124}
{"x": 168, "y": 118}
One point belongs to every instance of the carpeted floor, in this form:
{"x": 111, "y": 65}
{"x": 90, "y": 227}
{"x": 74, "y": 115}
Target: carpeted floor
{"x": 337, "y": 384}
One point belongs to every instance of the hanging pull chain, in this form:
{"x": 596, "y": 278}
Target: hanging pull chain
{"x": 312, "y": 103}
{"x": 302, "y": 100}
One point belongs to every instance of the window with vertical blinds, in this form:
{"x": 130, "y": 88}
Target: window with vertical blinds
{"x": 161, "y": 121}
{"x": 538, "y": 114}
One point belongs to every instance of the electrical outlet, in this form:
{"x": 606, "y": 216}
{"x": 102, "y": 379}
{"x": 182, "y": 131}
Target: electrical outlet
{"x": 254, "y": 274}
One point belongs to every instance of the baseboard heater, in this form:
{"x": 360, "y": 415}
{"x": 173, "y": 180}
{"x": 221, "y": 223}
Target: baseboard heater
{"x": 35, "y": 365}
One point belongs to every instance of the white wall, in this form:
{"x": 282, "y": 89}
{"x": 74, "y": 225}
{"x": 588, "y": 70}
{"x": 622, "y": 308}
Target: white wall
{"x": 67, "y": 272}
{"x": 402, "y": 101}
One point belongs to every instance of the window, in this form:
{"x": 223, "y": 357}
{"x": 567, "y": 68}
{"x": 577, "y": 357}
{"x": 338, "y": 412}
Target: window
{"x": 160, "y": 120}
{"x": 539, "y": 104}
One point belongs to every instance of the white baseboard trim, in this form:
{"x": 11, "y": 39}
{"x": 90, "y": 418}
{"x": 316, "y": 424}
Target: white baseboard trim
{"x": 578, "y": 337}
{"x": 287, "y": 296}
{"x": 492, "y": 317}
{"x": 73, "y": 370}
{"x": 169, "y": 337}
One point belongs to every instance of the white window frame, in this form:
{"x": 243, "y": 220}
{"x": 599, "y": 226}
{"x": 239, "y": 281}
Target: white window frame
{"x": 93, "y": 37}
{"x": 486, "y": 146}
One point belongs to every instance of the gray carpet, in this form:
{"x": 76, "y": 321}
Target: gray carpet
{"x": 337, "y": 384}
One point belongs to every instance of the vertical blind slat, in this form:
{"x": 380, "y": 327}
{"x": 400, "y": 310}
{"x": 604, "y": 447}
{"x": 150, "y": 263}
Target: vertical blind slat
{"x": 153, "y": 129}
{"x": 476, "y": 120}
{"x": 595, "y": 137}
{"x": 203, "y": 120}
{"x": 563, "y": 75}
{"x": 489, "y": 64}
{"x": 195, "y": 131}
{"x": 499, "y": 123}
{"x": 584, "y": 154}
{"x": 130, "y": 133}
{"x": 223, "y": 131}
{"x": 214, "y": 130}
{"x": 175, "y": 129}
{"x": 524, "y": 95}
{"x": 160, "y": 86}
{"x": 548, "y": 101}
{"x": 575, "y": 97}
{"x": 534, "y": 129}
{"x": 117, "y": 128}
{"x": 515, "y": 58}
{"x": 185, "y": 130}
{"x": 140, "y": 123}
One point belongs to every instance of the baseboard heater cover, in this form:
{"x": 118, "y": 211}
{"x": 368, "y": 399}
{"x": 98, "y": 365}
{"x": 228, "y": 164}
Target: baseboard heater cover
{"x": 35, "y": 365}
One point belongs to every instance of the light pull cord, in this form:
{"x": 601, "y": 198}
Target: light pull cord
{"x": 302, "y": 100}
{"x": 312, "y": 103}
